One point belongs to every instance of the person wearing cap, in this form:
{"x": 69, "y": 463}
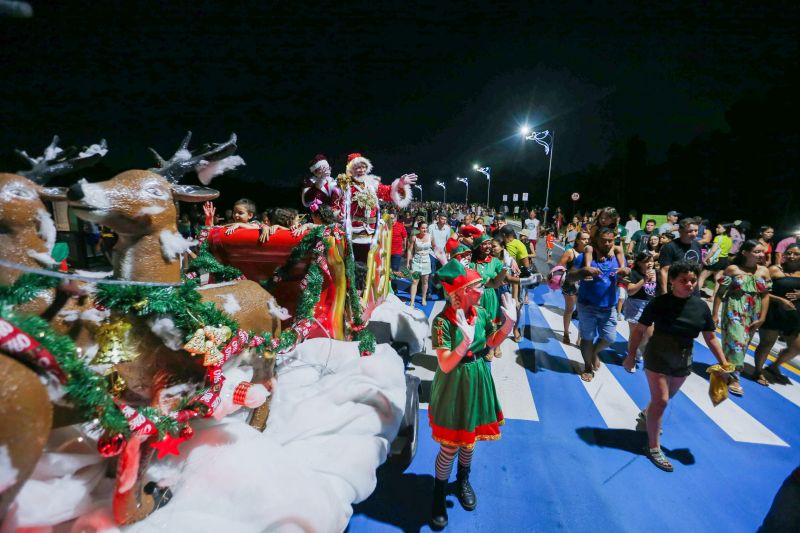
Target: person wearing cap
{"x": 366, "y": 190}
{"x": 321, "y": 189}
{"x": 463, "y": 407}
{"x": 671, "y": 225}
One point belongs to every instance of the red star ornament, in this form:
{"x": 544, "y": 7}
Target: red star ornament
{"x": 168, "y": 445}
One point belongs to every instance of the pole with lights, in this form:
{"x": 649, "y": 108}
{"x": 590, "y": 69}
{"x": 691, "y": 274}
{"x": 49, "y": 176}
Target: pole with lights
{"x": 486, "y": 171}
{"x": 420, "y": 191}
{"x": 444, "y": 190}
{"x": 465, "y": 181}
{"x": 541, "y": 138}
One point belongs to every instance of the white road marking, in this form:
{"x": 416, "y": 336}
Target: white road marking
{"x": 511, "y": 381}
{"x": 618, "y": 410}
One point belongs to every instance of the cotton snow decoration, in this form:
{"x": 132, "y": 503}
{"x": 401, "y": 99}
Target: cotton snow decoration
{"x": 208, "y": 170}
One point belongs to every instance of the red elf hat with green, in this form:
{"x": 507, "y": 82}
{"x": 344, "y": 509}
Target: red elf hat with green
{"x": 454, "y": 276}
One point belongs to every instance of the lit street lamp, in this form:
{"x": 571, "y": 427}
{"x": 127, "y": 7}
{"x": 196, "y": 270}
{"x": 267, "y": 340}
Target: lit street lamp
{"x": 540, "y": 138}
{"x": 420, "y": 191}
{"x": 486, "y": 171}
{"x": 444, "y": 190}
{"x": 465, "y": 181}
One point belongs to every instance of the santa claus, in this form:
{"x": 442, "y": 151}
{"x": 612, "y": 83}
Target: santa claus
{"x": 365, "y": 191}
{"x": 321, "y": 189}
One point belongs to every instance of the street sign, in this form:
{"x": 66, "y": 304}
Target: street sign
{"x": 505, "y": 197}
{"x": 516, "y": 197}
{"x": 524, "y": 197}
{"x": 575, "y": 197}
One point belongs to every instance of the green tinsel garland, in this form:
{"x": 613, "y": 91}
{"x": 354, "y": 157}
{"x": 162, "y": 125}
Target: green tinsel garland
{"x": 366, "y": 340}
{"x": 183, "y": 303}
{"x": 26, "y": 288}
{"x": 405, "y": 273}
{"x": 311, "y": 294}
{"x": 86, "y": 390}
{"x": 206, "y": 262}
{"x": 304, "y": 247}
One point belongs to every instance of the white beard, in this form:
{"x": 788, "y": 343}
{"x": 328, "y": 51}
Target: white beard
{"x": 319, "y": 182}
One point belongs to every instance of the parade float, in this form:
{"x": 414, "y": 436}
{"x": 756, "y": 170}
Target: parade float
{"x": 154, "y": 363}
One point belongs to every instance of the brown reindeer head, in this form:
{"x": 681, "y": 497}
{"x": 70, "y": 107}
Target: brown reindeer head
{"x": 139, "y": 205}
{"x": 27, "y": 232}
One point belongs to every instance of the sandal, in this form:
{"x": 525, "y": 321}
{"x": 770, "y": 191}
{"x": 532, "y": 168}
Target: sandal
{"x": 587, "y": 376}
{"x": 565, "y": 339}
{"x": 658, "y": 458}
{"x": 761, "y": 379}
{"x": 736, "y": 388}
{"x": 517, "y": 336}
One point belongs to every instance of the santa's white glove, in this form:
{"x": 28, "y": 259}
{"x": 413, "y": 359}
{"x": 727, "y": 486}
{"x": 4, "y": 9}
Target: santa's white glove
{"x": 408, "y": 179}
{"x": 467, "y": 330}
{"x": 509, "y": 308}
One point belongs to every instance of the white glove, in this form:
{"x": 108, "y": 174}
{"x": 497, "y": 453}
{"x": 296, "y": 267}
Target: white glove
{"x": 509, "y": 308}
{"x": 408, "y": 179}
{"x": 467, "y": 330}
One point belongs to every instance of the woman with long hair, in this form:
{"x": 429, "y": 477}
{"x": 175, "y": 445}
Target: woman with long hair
{"x": 493, "y": 275}
{"x": 419, "y": 260}
{"x": 765, "y": 235}
{"x": 783, "y": 317}
{"x": 743, "y": 294}
{"x": 641, "y": 290}
{"x": 569, "y": 289}
{"x": 716, "y": 259}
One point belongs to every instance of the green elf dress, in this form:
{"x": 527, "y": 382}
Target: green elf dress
{"x": 464, "y": 407}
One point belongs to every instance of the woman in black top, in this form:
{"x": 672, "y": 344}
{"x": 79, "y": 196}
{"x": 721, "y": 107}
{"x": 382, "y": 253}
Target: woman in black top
{"x": 570, "y": 289}
{"x": 678, "y": 317}
{"x": 783, "y": 318}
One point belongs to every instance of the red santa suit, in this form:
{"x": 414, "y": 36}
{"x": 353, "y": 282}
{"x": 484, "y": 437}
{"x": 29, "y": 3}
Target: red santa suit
{"x": 321, "y": 188}
{"x": 365, "y": 191}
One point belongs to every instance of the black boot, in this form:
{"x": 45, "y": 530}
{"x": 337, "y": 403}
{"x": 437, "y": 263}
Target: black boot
{"x": 439, "y": 505}
{"x": 464, "y": 490}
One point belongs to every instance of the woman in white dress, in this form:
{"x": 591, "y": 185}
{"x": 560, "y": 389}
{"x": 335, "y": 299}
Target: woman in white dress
{"x": 419, "y": 261}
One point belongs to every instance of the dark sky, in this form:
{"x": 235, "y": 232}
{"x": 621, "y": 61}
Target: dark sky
{"x": 425, "y": 87}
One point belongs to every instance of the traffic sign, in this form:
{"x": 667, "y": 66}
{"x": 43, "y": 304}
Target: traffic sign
{"x": 575, "y": 197}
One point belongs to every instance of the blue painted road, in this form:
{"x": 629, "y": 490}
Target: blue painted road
{"x": 577, "y": 465}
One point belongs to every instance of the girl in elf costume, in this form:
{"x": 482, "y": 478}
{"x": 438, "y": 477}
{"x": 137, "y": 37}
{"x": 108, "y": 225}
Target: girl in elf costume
{"x": 493, "y": 275}
{"x": 463, "y": 406}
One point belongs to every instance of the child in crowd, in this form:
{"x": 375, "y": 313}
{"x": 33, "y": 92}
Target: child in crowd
{"x": 641, "y": 288}
{"x": 550, "y": 241}
{"x": 242, "y": 214}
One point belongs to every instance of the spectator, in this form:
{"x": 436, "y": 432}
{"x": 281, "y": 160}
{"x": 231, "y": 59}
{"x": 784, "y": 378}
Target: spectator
{"x": 684, "y": 248}
{"x": 631, "y": 226}
{"x": 597, "y": 300}
{"x": 532, "y": 225}
{"x": 765, "y": 234}
{"x": 399, "y": 237}
{"x": 677, "y": 318}
{"x": 569, "y": 289}
{"x": 640, "y": 289}
{"x": 783, "y": 317}
{"x": 738, "y": 235}
{"x": 744, "y": 295}
{"x": 640, "y": 239}
{"x": 717, "y": 257}
{"x": 780, "y": 248}
{"x": 671, "y": 225}
{"x": 419, "y": 260}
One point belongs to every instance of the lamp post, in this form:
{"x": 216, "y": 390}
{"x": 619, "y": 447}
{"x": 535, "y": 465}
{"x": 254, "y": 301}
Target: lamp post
{"x": 465, "y": 181}
{"x": 486, "y": 171}
{"x": 420, "y": 191}
{"x": 444, "y": 191}
{"x": 540, "y": 138}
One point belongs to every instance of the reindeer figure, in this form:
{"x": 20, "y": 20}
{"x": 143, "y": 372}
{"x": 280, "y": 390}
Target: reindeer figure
{"x": 27, "y": 236}
{"x": 139, "y": 205}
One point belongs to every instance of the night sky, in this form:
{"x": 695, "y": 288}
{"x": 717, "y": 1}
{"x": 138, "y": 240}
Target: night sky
{"x": 425, "y": 87}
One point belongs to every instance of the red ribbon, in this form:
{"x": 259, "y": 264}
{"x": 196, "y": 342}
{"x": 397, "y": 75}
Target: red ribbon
{"x": 137, "y": 421}
{"x": 14, "y": 340}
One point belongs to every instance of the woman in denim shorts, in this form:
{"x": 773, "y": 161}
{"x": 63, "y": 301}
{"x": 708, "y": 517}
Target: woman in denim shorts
{"x": 570, "y": 289}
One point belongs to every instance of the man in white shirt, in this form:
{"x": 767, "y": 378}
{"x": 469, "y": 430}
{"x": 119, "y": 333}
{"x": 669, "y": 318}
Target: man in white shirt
{"x": 631, "y": 226}
{"x": 440, "y": 232}
{"x": 532, "y": 225}
{"x": 671, "y": 225}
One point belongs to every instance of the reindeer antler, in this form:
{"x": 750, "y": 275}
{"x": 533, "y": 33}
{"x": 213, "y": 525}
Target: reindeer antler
{"x": 183, "y": 161}
{"x": 56, "y": 161}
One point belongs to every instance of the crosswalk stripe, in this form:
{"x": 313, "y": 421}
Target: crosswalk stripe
{"x": 790, "y": 392}
{"x": 618, "y": 410}
{"x": 729, "y": 416}
{"x": 513, "y": 389}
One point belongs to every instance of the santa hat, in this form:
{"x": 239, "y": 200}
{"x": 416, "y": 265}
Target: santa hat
{"x": 318, "y": 162}
{"x": 356, "y": 159}
{"x": 454, "y": 276}
{"x": 470, "y": 231}
{"x": 454, "y": 248}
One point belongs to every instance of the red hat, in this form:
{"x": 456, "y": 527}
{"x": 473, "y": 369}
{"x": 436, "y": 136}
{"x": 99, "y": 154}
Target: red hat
{"x": 356, "y": 158}
{"x": 451, "y": 245}
{"x": 318, "y": 161}
{"x": 454, "y": 276}
{"x": 470, "y": 231}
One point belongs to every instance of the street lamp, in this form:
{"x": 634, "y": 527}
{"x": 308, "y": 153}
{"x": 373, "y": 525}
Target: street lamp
{"x": 465, "y": 181}
{"x": 486, "y": 171}
{"x": 540, "y": 138}
{"x": 420, "y": 191}
{"x": 444, "y": 191}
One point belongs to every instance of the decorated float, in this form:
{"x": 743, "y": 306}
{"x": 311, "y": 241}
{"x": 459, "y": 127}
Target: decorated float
{"x": 148, "y": 363}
